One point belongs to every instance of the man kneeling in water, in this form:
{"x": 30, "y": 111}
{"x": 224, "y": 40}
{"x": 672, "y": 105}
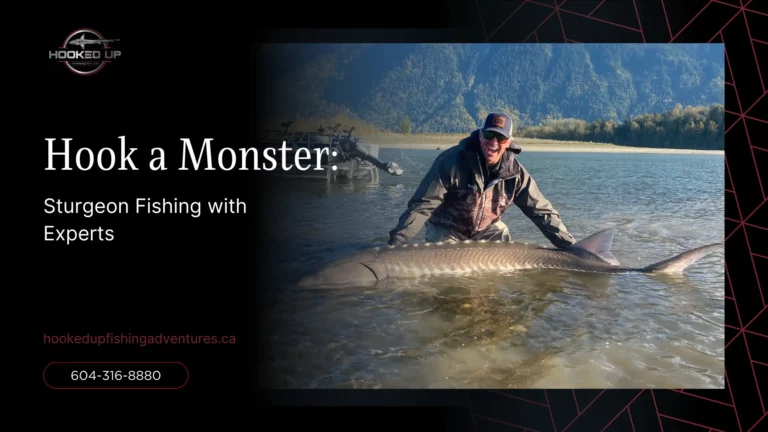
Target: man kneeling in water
{"x": 469, "y": 187}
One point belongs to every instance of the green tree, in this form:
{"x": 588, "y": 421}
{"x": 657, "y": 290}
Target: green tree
{"x": 405, "y": 125}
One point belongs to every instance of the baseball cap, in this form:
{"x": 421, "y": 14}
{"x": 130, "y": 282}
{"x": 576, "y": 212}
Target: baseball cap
{"x": 498, "y": 122}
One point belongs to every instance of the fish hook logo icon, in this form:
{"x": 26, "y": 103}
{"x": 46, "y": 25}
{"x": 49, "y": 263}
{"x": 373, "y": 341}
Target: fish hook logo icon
{"x": 85, "y": 52}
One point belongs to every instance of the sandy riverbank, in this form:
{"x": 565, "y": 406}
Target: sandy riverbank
{"x": 416, "y": 142}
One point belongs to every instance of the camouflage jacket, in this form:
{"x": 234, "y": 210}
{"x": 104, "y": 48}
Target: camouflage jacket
{"x": 454, "y": 194}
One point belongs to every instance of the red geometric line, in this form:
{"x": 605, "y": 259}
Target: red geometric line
{"x": 690, "y": 22}
{"x": 505, "y": 21}
{"x": 729, "y": 298}
{"x": 759, "y": 41}
{"x": 701, "y": 397}
{"x": 731, "y": 126}
{"x": 728, "y": 190}
{"x": 760, "y": 363}
{"x": 551, "y": 417}
{"x": 585, "y": 16}
{"x": 738, "y": 421}
{"x": 748, "y": 216}
{"x": 503, "y": 422}
{"x": 602, "y": 21}
{"x": 728, "y": 4}
{"x": 639, "y": 24}
{"x": 690, "y": 423}
{"x": 759, "y": 256}
{"x": 756, "y": 119}
{"x": 742, "y": 8}
{"x": 751, "y": 148}
{"x": 560, "y": 20}
{"x": 744, "y": 328}
{"x": 727, "y": 83}
{"x": 756, "y": 334}
{"x": 756, "y": 423}
{"x": 482, "y": 22}
{"x": 663, "y": 8}
{"x": 737, "y": 205}
{"x": 754, "y": 375}
{"x": 728, "y": 62}
{"x": 626, "y": 408}
{"x": 541, "y": 4}
{"x": 745, "y": 331}
{"x": 754, "y": 53}
{"x": 728, "y": 237}
{"x": 755, "y": 317}
{"x": 572, "y": 41}
{"x": 756, "y": 12}
{"x": 577, "y": 402}
{"x": 540, "y": 24}
{"x": 726, "y": 24}
{"x": 757, "y": 277}
{"x": 654, "y": 396}
{"x": 731, "y": 341}
{"x": 759, "y": 148}
{"x": 731, "y": 219}
{"x": 585, "y": 408}
{"x": 753, "y": 103}
{"x": 596, "y": 8}
{"x": 629, "y": 411}
{"x": 749, "y": 141}
{"x": 728, "y": 168}
{"x": 744, "y": 113}
{"x": 738, "y": 315}
{"x": 517, "y": 397}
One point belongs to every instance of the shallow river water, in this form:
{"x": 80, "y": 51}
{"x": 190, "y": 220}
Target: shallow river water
{"x": 526, "y": 329}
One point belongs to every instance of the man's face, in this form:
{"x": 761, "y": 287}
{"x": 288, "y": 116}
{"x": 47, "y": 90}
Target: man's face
{"x": 493, "y": 145}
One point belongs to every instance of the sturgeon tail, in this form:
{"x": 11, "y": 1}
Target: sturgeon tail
{"x": 678, "y": 263}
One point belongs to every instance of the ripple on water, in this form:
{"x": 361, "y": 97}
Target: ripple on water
{"x": 551, "y": 329}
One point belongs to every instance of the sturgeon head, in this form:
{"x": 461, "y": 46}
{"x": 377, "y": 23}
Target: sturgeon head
{"x": 349, "y": 271}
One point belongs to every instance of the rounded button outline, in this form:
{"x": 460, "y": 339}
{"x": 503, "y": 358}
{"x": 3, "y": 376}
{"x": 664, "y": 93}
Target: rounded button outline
{"x": 113, "y": 363}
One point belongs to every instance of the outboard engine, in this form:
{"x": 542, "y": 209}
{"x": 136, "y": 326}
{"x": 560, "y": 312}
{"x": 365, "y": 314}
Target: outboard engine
{"x": 350, "y": 146}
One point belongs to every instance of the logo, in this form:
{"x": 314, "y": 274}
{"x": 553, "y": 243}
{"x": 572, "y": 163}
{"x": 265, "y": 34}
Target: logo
{"x": 85, "y": 52}
{"x": 499, "y": 121}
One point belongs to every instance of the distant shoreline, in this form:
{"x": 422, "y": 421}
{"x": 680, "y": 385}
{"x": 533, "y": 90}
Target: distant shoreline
{"x": 432, "y": 142}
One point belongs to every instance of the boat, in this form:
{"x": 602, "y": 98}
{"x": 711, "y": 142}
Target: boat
{"x": 346, "y": 158}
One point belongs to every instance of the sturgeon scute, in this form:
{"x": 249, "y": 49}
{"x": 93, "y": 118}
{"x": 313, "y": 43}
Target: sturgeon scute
{"x": 451, "y": 258}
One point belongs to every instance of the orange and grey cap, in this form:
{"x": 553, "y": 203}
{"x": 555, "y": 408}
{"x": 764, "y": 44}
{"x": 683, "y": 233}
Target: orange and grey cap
{"x": 498, "y": 122}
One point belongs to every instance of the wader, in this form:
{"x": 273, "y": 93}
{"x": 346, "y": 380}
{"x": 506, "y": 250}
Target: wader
{"x": 496, "y": 231}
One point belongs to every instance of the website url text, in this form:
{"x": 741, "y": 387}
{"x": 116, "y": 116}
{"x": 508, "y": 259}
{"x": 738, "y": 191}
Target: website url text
{"x": 131, "y": 339}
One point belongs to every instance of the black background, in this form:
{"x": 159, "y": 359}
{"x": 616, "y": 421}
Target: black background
{"x": 190, "y": 77}
{"x": 162, "y": 274}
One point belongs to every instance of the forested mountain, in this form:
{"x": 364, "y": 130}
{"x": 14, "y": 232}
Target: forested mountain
{"x": 450, "y": 88}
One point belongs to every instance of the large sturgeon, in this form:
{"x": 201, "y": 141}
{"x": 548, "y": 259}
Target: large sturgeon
{"x": 592, "y": 254}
